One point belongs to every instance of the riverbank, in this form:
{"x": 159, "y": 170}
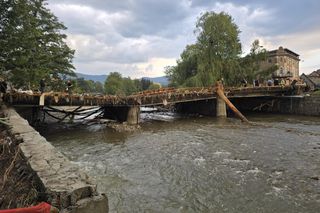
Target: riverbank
{"x": 18, "y": 186}
{"x": 52, "y": 177}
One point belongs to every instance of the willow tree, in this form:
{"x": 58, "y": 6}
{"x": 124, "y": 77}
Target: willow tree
{"x": 184, "y": 73}
{"x": 220, "y": 48}
{"x": 215, "y": 55}
{"x": 32, "y": 43}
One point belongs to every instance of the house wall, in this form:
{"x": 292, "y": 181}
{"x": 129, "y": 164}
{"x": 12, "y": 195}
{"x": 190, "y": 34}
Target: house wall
{"x": 285, "y": 62}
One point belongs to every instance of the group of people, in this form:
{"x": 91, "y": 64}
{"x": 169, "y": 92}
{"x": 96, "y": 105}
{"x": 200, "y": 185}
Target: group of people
{"x": 244, "y": 83}
{"x": 276, "y": 82}
{"x": 42, "y": 86}
{"x": 269, "y": 82}
{"x": 4, "y": 86}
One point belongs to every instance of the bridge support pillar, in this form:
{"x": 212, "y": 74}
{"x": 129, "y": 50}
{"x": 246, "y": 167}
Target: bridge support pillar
{"x": 133, "y": 115}
{"x": 129, "y": 114}
{"x": 221, "y": 107}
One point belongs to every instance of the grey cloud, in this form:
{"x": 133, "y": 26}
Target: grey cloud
{"x": 288, "y": 16}
{"x": 125, "y": 51}
{"x": 106, "y": 67}
{"x": 147, "y": 17}
{"x": 156, "y": 17}
{"x": 107, "y": 5}
{"x": 111, "y": 35}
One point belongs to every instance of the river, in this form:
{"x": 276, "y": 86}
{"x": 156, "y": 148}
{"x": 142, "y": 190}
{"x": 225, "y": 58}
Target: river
{"x": 201, "y": 164}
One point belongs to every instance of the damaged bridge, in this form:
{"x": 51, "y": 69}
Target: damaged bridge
{"x": 127, "y": 108}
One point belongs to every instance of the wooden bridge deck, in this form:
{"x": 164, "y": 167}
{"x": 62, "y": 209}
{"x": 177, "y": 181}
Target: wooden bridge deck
{"x": 146, "y": 98}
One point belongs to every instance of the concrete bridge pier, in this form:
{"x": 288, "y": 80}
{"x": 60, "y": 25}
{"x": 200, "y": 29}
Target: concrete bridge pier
{"x": 129, "y": 114}
{"x": 133, "y": 115}
{"x": 221, "y": 107}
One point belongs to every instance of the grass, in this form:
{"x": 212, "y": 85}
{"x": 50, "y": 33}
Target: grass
{"x": 316, "y": 93}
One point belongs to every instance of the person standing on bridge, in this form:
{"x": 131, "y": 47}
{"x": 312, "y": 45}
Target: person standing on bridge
{"x": 3, "y": 88}
{"x": 42, "y": 85}
{"x": 69, "y": 87}
{"x": 244, "y": 82}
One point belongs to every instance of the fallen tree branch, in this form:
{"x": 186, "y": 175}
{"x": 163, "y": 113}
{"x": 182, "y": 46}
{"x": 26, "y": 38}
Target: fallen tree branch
{"x": 8, "y": 170}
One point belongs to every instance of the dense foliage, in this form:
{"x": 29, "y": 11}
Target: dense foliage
{"x": 115, "y": 84}
{"x": 216, "y": 55}
{"x": 88, "y": 86}
{"x": 32, "y": 45}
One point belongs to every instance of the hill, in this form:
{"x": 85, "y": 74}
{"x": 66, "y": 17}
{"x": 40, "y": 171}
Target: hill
{"x": 163, "y": 80}
{"x": 100, "y": 78}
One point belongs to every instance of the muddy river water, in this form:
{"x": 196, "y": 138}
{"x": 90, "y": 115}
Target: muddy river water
{"x": 179, "y": 164}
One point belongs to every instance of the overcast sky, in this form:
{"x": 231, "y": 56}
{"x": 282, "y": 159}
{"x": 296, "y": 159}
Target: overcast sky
{"x": 140, "y": 37}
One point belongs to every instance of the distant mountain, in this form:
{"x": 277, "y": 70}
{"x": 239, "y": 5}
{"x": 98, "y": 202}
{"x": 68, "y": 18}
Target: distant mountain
{"x": 100, "y": 78}
{"x": 163, "y": 80}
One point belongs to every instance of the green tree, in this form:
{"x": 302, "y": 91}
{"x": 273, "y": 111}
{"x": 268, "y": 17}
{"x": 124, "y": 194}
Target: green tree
{"x": 215, "y": 55}
{"x": 145, "y": 83}
{"x": 84, "y": 86}
{"x": 186, "y": 68}
{"x": 251, "y": 64}
{"x": 137, "y": 84}
{"x": 98, "y": 87}
{"x": 114, "y": 84}
{"x": 32, "y": 45}
{"x": 220, "y": 48}
{"x": 129, "y": 86}
{"x": 154, "y": 86}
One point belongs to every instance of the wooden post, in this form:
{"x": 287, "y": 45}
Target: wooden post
{"x": 220, "y": 95}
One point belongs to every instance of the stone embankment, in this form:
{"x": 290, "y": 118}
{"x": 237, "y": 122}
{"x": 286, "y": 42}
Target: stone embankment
{"x": 295, "y": 105}
{"x": 307, "y": 105}
{"x": 65, "y": 186}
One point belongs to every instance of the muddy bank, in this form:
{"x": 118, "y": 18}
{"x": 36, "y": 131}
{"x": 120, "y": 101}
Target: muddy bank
{"x": 19, "y": 186}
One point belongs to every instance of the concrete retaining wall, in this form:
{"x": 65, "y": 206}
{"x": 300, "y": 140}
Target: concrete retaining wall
{"x": 299, "y": 105}
{"x": 308, "y": 105}
{"x": 66, "y": 187}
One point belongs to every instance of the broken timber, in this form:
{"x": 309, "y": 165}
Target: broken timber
{"x": 127, "y": 108}
{"x": 221, "y": 95}
{"x": 165, "y": 96}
